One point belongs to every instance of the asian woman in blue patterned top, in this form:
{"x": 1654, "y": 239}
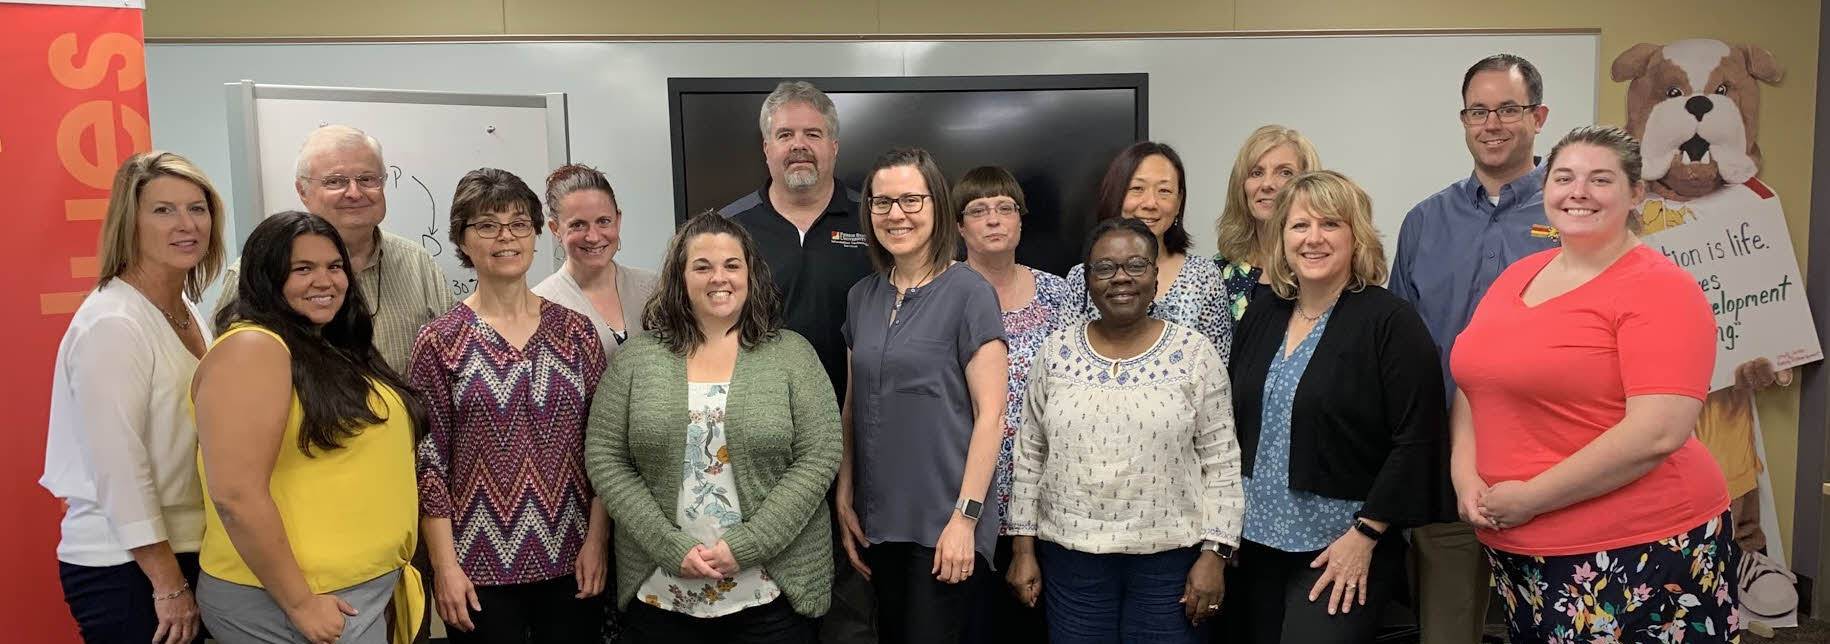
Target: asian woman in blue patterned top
{"x": 1146, "y": 182}
{"x": 989, "y": 207}
{"x": 1126, "y": 497}
{"x": 1271, "y": 157}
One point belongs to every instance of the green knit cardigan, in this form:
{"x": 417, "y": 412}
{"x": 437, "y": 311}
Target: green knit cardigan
{"x": 782, "y": 428}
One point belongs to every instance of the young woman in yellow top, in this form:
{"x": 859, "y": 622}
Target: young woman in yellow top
{"x": 306, "y": 451}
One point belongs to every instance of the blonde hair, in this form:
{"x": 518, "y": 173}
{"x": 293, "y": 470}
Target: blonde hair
{"x": 1331, "y": 196}
{"x": 120, "y": 246}
{"x": 1236, "y": 232}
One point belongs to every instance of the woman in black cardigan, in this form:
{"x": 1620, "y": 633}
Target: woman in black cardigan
{"x": 1337, "y": 395}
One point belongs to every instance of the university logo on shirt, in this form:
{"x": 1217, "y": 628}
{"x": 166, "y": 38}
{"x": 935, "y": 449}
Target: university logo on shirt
{"x": 848, "y": 240}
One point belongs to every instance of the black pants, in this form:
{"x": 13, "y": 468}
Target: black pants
{"x": 1267, "y": 596}
{"x": 114, "y": 604}
{"x": 771, "y": 623}
{"x": 1008, "y": 620}
{"x": 915, "y": 608}
{"x": 542, "y": 612}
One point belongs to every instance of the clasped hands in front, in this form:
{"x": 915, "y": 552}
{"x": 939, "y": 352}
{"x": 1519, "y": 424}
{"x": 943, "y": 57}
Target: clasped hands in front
{"x": 713, "y": 562}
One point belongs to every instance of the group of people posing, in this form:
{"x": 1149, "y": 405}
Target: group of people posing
{"x": 837, "y": 415}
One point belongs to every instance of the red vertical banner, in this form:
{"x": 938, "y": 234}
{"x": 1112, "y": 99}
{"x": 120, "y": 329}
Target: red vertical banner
{"x": 74, "y": 107}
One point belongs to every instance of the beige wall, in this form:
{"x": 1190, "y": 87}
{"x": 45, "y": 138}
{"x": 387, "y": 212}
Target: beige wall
{"x": 1787, "y": 28}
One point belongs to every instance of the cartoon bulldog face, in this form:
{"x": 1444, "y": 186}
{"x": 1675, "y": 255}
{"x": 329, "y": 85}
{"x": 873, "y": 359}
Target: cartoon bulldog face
{"x": 1695, "y": 106}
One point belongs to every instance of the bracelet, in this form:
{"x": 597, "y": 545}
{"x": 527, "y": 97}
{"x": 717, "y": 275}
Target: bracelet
{"x": 1365, "y": 528}
{"x": 183, "y": 588}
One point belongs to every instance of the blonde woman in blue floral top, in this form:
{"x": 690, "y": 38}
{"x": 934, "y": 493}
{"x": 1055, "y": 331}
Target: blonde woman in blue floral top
{"x": 1146, "y": 183}
{"x": 1269, "y": 158}
{"x": 990, "y": 208}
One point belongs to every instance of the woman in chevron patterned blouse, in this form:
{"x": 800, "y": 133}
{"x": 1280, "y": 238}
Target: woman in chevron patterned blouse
{"x": 518, "y": 544}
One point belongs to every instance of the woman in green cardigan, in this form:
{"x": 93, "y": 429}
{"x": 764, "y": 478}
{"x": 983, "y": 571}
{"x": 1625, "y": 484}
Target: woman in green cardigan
{"x": 712, "y": 441}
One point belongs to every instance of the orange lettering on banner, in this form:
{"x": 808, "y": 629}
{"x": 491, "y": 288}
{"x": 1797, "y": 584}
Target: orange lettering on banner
{"x": 95, "y": 66}
{"x": 100, "y": 122}
{"x": 75, "y": 106}
{"x": 97, "y": 119}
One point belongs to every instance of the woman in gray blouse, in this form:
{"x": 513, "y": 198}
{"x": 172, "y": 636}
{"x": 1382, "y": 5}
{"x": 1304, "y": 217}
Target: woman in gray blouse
{"x": 1126, "y": 497}
{"x": 923, "y": 407}
{"x": 712, "y": 440}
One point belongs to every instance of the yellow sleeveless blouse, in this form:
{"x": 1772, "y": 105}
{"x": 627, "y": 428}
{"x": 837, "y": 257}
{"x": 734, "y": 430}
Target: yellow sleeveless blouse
{"x": 351, "y": 514}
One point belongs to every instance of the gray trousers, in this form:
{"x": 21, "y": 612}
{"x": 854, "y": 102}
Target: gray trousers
{"x": 238, "y": 614}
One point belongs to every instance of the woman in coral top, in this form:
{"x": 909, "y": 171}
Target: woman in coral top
{"x": 1582, "y": 373}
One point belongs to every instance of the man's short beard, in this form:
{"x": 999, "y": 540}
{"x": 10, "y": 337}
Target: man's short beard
{"x": 801, "y": 179}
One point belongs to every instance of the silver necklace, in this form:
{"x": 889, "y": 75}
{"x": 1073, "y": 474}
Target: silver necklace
{"x": 183, "y": 323}
{"x": 1317, "y": 317}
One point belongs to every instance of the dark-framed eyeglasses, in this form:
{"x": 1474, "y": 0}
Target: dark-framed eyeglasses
{"x": 910, "y": 203}
{"x": 337, "y": 182}
{"x": 1507, "y": 113}
{"x": 1003, "y": 209}
{"x": 1135, "y": 267}
{"x": 492, "y": 229}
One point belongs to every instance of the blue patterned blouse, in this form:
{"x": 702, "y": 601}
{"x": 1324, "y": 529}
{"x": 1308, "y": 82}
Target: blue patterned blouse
{"x": 1024, "y": 330}
{"x": 1275, "y": 515}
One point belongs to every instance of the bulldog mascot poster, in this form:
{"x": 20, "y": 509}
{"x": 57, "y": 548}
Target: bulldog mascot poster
{"x": 1695, "y": 107}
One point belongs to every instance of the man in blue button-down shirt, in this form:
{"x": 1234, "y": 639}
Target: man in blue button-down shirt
{"x": 1451, "y": 247}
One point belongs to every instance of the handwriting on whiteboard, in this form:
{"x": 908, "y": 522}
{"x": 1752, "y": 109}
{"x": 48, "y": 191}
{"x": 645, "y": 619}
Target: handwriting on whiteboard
{"x": 429, "y": 240}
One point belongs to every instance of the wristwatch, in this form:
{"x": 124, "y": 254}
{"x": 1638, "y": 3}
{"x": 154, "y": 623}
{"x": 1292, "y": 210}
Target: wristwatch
{"x": 1361, "y": 526}
{"x": 1225, "y": 551}
{"x": 969, "y": 508}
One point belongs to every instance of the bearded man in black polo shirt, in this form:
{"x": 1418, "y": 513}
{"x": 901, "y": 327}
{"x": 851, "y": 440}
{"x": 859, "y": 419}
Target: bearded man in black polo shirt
{"x": 806, "y": 226}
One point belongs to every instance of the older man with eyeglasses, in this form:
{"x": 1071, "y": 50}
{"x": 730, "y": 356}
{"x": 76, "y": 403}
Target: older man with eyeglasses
{"x": 341, "y": 177}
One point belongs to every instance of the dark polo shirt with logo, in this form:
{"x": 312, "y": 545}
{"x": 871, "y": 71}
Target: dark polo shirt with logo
{"x": 815, "y": 274}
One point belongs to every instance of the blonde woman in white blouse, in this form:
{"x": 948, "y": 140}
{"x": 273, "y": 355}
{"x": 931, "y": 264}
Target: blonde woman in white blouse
{"x": 1126, "y": 494}
{"x": 122, "y": 449}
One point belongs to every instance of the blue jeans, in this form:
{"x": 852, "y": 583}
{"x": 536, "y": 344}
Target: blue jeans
{"x": 1102, "y": 599}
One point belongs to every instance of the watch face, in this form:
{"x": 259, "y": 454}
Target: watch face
{"x": 972, "y": 509}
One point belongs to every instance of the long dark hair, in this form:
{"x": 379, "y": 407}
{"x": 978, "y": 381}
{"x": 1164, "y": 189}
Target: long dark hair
{"x": 1118, "y": 178}
{"x": 669, "y": 311}
{"x": 335, "y": 368}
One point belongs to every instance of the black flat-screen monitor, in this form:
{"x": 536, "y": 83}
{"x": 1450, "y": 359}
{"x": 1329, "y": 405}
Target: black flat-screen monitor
{"x": 1054, "y": 133}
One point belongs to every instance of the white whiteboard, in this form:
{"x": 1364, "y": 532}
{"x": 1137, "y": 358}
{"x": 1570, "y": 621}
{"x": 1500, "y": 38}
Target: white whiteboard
{"x": 429, "y": 140}
{"x": 1380, "y": 108}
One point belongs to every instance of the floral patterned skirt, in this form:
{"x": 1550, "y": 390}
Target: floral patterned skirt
{"x": 1676, "y": 589}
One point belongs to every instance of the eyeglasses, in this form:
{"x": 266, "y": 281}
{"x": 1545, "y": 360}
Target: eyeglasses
{"x": 337, "y": 182}
{"x": 1135, "y": 267}
{"x": 1005, "y": 209}
{"x": 1507, "y": 114}
{"x": 492, "y": 229}
{"x": 910, "y": 203}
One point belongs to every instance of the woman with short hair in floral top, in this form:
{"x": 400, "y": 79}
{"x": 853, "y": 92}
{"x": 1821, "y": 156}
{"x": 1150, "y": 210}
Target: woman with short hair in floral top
{"x": 518, "y": 545}
{"x": 1146, "y": 183}
{"x": 989, "y": 207}
{"x": 1268, "y": 160}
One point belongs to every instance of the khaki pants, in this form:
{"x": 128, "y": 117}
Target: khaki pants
{"x": 1453, "y": 586}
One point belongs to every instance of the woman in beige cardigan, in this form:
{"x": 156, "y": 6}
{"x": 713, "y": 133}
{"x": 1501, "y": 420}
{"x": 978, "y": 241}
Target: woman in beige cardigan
{"x": 712, "y": 440}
